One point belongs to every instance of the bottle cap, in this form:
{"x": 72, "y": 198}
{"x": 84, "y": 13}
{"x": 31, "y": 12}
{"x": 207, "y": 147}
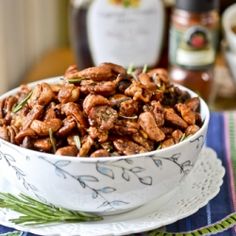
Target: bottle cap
{"x": 197, "y": 5}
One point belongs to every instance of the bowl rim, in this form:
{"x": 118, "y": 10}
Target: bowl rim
{"x": 57, "y": 79}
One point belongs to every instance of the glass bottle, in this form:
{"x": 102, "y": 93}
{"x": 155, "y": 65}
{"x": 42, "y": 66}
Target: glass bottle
{"x": 119, "y": 31}
{"x": 193, "y": 44}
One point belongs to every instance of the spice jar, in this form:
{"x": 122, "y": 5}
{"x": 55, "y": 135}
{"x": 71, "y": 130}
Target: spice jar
{"x": 193, "y": 44}
{"x": 124, "y": 32}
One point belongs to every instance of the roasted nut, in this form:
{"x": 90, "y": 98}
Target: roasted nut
{"x": 177, "y": 135}
{"x": 100, "y": 111}
{"x": 68, "y": 93}
{"x": 94, "y": 100}
{"x": 103, "y": 117}
{"x": 105, "y": 88}
{"x": 73, "y": 109}
{"x": 192, "y": 129}
{"x": 12, "y": 131}
{"x": 98, "y": 134}
{"x": 127, "y": 147}
{"x": 187, "y": 114}
{"x": 122, "y": 83}
{"x": 137, "y": 91}
{"x": 69, "y": 124}
{"x": 25, "y": 133}
{"x": 34, "y": 114}
{"x": 50, "y": 113}
{"x": 27, "y": 143}
{"x": 126, "y": 127}
{"x": 114, "y": 67}
{"x": 193, "y": 103}
{"x": 71, "y": 71}
{"x": 147, "y": 82}
{"x": 167, "y": 143}
{"x": 117, "y": 99}
{"x": 147, "y": 122}
{"x": 42, "y": 95}
{"x": 146, "y": 143}
{"x": 158, "y": 113}
{"x": 4, "y": 133}
{"x": 67, "y": 151}
{"x": 43, "y": 144}
{"x": 128, "y": 108}
{"x": 99, "y": 73}
{"x": 2, "y": 113}
{"x": 42, "y": 127}
{"x": 87, "y": 144}
{"x": 9, "y": 103}
{"x": 158, "y": 76}
{"x": 175, "y": 119}
{"x": 100, "y": 153}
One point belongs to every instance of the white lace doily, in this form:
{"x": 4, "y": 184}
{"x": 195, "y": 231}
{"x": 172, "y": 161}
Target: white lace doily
{"x": 200, "y": 186}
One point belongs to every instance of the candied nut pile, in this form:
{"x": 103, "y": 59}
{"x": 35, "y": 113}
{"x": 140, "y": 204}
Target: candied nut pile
{"x": 99, "y": 112}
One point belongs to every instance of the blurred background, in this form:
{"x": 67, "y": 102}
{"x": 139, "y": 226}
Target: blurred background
{"x": 29, "y": 29}
{"x": 36, "y": 43}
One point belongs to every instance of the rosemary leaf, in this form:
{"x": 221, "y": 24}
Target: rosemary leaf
{"x": 33, "y": 212}
{"x": 145, "y": 68}
{"x": 129, "y": 117}
{"x": 134, "y": 75}
{"x": 75, "y": 80}
{"x": 130, "y": 69}
{"x": 52, "y": 140}
{"x": 183, "y": 137}
{"x": 77, "y": 141}
{"x": 22, "y": 103}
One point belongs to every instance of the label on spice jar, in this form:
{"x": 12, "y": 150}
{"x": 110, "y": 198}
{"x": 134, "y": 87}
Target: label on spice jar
{"x": 125, "y": 31}
{"x": 193, "y": 48}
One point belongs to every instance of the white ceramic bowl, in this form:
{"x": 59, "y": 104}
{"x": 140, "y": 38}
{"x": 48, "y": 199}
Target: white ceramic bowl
{"x": 229, "y": 20}
{"x": 101, "y": 185}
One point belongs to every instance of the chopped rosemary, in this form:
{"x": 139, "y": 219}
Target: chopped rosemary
{"x": 183, "y": 137}
{"x": 134, "y": 76}
{"x": 22, "y": 103}
{"x": 129, "y": 117}
{"x": 130, "y": 69}
{"x": 159, "y": 147}
{"x": 126, "y": 3}
{"x": 34, "y": 212}
{"x": 77, "y": 141}
{"x": 145, "y": 68}
{"x": 52, "y": 140}
{"x": 75, "y": 80}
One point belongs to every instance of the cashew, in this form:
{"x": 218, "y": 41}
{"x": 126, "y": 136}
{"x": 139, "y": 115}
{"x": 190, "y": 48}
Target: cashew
{"x": 42, "y": 127}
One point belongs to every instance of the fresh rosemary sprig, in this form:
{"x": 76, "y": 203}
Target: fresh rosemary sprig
{"x": 22, "y": 103}
{"x": 34, "y": 212}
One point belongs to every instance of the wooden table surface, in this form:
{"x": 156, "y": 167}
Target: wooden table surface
{"x": 55, "y": 63}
